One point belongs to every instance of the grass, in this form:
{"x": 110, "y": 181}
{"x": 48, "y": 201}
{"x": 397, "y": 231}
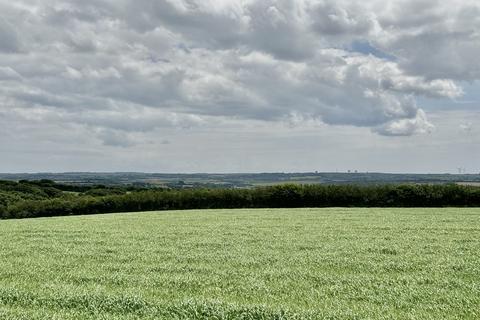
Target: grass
{"x": 244, "y": 264}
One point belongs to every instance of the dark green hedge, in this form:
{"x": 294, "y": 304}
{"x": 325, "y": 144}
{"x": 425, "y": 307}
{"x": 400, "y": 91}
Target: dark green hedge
{"x": 284, "y": 196}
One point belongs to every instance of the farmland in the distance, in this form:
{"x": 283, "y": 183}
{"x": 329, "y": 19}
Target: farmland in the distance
{"x": 244, "y": 264}
{"x": 239, "y": 180}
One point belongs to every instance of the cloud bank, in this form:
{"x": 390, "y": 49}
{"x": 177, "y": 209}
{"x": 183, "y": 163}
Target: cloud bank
{"x": 117, "y": 67}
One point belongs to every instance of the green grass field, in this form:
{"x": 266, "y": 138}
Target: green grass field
{"x": 244, "y": 264}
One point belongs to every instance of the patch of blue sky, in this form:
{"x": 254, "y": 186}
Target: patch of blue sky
{"x": 366, "y": 48}
{"x": 469, "y": 101}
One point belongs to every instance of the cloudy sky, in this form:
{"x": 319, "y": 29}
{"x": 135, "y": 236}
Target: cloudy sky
{"x": 239, "y": 85}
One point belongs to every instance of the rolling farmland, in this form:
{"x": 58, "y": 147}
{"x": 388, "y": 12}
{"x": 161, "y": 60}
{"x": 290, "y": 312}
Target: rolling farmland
{"x": 244, "y": 264}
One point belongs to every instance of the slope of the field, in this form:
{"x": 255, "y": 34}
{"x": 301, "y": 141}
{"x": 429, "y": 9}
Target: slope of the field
{"x": 244, "y": 264}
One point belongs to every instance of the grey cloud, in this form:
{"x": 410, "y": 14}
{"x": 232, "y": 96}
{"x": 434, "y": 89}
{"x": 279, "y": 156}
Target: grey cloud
{"x": 440, "y": 54}
{"x": 413, "y": 14}
{"x": 9, "y": 40}
{"x": 35, "y": 98}
{"x": 70, "y": 14}
{"x": 435, "y": 39}
{"x": 141, "y": 120}
{"x": 277, "y": 27}
{"x": 198, "y": 22}
{"x": 165, "y": 142}
{"x": 7, "y": 73}
{"x": 114, "y": 138}
{"x": 466, "y": 127}
{"x": 330, "y": 18}
{"x": 274, "y": 26}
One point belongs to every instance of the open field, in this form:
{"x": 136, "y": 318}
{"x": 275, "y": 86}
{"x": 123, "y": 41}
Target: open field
{"x": 242, "y": 180}
{"x": 244, "y": 264}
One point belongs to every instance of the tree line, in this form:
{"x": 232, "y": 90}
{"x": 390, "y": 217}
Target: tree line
{"x": 281, "y": 196}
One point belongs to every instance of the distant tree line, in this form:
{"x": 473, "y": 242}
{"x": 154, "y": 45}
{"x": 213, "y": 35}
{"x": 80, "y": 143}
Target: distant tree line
{"x": 12, "y": 192}
{"x": 281, "y": 196}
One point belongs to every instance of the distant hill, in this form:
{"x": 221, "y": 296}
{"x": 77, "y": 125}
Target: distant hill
{"x": 240, "y": 180}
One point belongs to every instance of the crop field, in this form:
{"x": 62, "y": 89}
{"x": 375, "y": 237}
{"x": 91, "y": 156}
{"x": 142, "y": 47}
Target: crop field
{"x": 244, "y": 264}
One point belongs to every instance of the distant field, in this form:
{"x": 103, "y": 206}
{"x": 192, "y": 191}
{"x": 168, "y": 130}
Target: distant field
{"x": 476, "y": 184}
{"x": 241, "y": 180}
{"x": 244, "y": 264}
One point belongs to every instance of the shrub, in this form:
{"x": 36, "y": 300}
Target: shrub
{"x": 262, "y": 197}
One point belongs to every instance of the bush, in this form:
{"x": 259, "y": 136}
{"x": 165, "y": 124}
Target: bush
{"x": 287, "y": 196}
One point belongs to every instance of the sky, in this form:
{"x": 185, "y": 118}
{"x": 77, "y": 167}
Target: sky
{"x": 240, "y": 85}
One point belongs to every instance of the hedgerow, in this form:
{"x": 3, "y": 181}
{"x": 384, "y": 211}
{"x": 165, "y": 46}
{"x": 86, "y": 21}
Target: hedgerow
{"x": 282, "y": 196}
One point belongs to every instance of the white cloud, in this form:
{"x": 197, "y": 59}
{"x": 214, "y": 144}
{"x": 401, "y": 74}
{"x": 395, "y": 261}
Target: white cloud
{"x": 406, "y": 127}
